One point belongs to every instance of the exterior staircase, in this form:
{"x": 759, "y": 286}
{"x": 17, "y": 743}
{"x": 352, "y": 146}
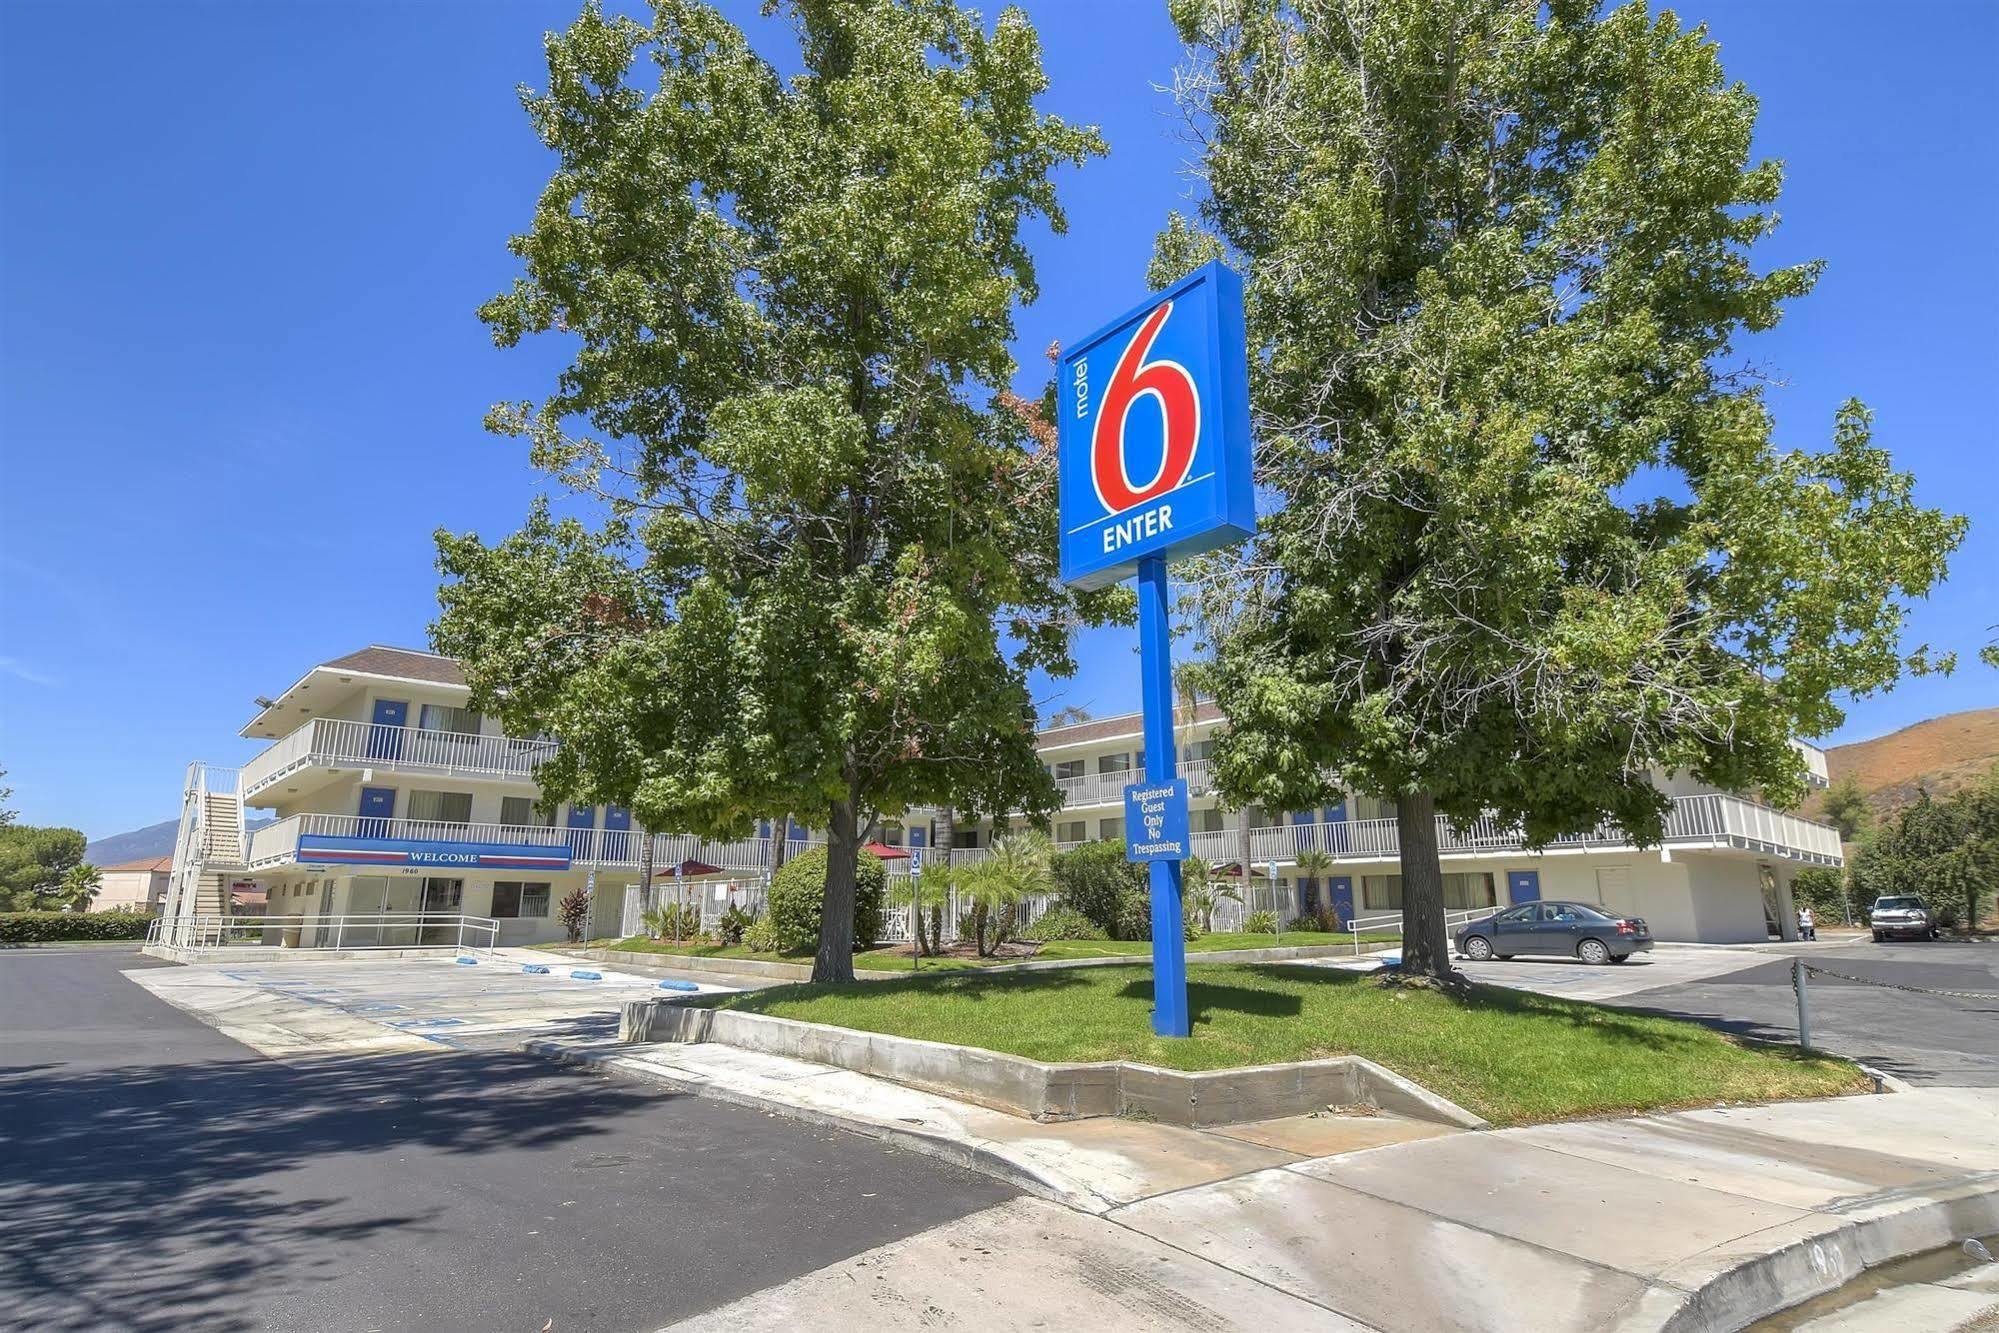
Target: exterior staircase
{"x": 209, "y": 848}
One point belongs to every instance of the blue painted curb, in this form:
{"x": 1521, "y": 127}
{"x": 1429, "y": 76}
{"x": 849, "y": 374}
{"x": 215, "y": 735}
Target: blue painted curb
{"x": 539, "y": 969}
{"x": 581, "y": 975}
{"x": 468, "y": 962}
{"x": 678, "y": 985}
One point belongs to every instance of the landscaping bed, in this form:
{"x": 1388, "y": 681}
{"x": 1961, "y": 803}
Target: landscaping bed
{"x": 895, "y": 957}
{"x": 1508, "y": 1056}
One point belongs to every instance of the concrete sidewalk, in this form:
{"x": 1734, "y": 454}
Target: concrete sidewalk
{"x": 1696, "y": 1220}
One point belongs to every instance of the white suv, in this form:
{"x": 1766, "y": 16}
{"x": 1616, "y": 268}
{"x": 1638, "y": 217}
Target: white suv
{"x": 1901, "y": 917}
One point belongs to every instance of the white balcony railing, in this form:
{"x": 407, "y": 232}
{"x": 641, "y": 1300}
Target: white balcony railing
{"x": 333, "y": 743}
{"x": 1711, "y": 820}
{"x": 1108, "y": 788}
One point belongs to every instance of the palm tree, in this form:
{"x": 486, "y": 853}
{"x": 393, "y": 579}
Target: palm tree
{"x": 1312, "y": 863}
{"x": 926, "y": 894}
{"x": 1200, "y": 890}
{"x": 1019, "y": 866}
{"x": 79, "y": 884}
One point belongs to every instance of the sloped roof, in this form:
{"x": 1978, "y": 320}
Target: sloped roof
{"x": 158, "y": 865}
{"x": 1124, "y": 724}
{"x": 406, "y": 663}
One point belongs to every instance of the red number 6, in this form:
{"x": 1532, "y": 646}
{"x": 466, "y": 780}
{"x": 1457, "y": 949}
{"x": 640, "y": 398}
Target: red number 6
{"x": 1179, "y": 404}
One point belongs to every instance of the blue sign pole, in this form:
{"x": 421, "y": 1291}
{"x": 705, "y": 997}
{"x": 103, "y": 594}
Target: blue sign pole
{"x": 1170, "y": 1017}
{"x": 1153, "y": 414}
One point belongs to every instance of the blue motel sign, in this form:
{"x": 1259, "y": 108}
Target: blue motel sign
{"x": 1153, "y": 436}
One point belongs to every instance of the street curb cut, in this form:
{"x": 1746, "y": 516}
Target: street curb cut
{"x": 1813, "y": 1265}
{"x": 970, "y": 1156}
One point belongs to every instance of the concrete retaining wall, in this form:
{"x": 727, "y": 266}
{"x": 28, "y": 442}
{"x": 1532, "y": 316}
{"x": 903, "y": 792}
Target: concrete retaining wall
{"x": 1043, "y": 1091}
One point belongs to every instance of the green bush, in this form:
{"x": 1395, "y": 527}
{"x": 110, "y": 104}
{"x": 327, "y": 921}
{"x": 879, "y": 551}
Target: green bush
{"x": 732, "y": 925}
{"x": 760, "y": 936}
{"x": 798, "y": 896}
{"x": 1822, "y": 889}
{"x": 673, "y": 921}
{"x": 46, "y": 927}
{"x": 1097, "y": 881}
{"x": 1260, "y": 923}
{"x": 1063, "y": 923}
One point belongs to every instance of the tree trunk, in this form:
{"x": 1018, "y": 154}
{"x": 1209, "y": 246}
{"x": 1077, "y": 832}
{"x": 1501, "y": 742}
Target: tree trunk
{"x": 645, "y": 874}
{"x": 835, "y": 959}
{"x": 1242, "y": 839}
{"x": 1425, "y": 950}
{"x": 780, "y": 833}
{"x": 947, "y": 842}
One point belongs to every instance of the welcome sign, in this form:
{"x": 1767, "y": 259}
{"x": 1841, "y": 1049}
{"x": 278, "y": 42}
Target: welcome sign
{"x": 1153, "y": 422}
{"x": 321, "y": 849}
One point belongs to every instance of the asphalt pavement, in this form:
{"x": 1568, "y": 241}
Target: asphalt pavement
{"x": 1898, "y": 1024}
{"x": 155, "y": 1174}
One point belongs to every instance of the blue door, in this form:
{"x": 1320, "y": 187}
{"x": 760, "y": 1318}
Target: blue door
{"x": 917, "y": 837}
{"x": 385, "y": 737}
{"x": 378, "y": 807}
{"x": 618, "y": 834}
{"x": 1523, "y": 886}
{"x": 1343, "y": 897}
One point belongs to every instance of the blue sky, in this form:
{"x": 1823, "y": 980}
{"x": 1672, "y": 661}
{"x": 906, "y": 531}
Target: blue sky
{"x": 241, "y": 381}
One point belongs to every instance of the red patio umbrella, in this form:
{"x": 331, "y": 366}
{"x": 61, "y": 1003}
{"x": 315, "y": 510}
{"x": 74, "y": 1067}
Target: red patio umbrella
{"x": 885, "y": 852}
{"x": 687, "y": 869}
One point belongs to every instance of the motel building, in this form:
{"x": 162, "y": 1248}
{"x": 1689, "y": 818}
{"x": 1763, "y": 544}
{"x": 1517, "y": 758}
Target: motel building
{"x": 384, "y": 812}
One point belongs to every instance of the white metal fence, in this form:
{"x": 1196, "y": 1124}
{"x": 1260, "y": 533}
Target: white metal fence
{"x": 204, "y": 933}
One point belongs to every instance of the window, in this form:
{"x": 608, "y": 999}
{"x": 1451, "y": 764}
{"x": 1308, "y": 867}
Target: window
{"x": 1466, "y": 890}
{"x": 1210, "y": 820}
{"x": 441, "y": 807}
{"x": 1199, "y": 750}
{"x": 1518, "y": 916}
{"x": 442, "y": 895}
{"x": 1066, "y": 769}
{"x": 1073, "y": 831}
{"x": 892, "y": 835}
{"x": 443, "y": 717}
{"x": 1463, "y": 891}
{"x": 1111, "y": 829}
{"x": 1381, "y": 893}
{"x": 520, "y": 811}
{"x": 514, "y": 899}
{"x": 1114, "y": 763}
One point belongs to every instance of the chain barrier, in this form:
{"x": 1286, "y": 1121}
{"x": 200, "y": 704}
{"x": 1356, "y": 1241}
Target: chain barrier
{"x": 1896, "y": 985}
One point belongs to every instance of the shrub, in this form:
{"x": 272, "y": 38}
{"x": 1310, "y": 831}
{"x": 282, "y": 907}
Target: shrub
{"x": 574, "y": 914}
{"x": 761, "y": 935}
{"x": 1260, "y": 923}
{"x": 732, "y": 925}
{"x": 44, "y": 927}
{"x": 1822, "y": 889}
{"x": 1097, "y": 881}
{"x": 1063, "y": 923}
{"x": 673, "y": 921}
{"x": 1134, "y": 915}
{"x": 1304, "y": 923}
{"x": 798, "y": 898}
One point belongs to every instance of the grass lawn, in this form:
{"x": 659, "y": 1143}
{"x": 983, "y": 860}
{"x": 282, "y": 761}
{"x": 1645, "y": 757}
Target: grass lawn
{"x": 1512, "y": 1057}
{"x": 895, "y": 957}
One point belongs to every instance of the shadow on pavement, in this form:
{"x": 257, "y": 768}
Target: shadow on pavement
{"x": 153, "y": 1196}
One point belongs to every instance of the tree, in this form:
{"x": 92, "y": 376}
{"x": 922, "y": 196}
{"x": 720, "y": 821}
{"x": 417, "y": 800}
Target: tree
{"x": 1018, "y": 867}
{"x": 1068, "y": 716}
{"x": 821, "y": 562}
{"x": 1823, "y": 889}
{"x": 1532, "y": 539}
{"x": 1844, "y": 806}
{"x": 34, "y": 862}
{"x": 6, "y": 795}
{"x": 78, "y": 885}
{"x": 1947, "y": 851}
{"x": 1314, "y": 864}
{"x": 1097, "y": 879}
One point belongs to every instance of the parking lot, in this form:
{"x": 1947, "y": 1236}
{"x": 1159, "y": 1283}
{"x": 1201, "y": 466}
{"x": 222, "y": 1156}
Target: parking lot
{"x": 407, "y": 1004}
{"x": 1923, "y": 1011}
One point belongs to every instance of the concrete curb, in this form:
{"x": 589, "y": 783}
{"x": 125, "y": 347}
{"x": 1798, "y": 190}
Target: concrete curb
{"x": 1800, "y": 1267}
{"x": 970, "y": 1156}
{"x": 1044, "y": 1091}
{"x": 757, "y": 967}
